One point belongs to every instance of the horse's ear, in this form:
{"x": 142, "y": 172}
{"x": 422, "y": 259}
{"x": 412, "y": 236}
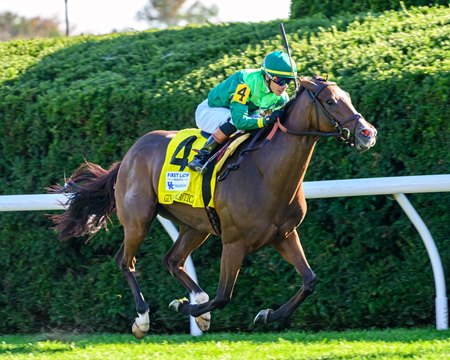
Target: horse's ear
{"x": 308, "y": 84}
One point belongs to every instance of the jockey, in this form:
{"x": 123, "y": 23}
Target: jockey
{"x": 247, "y": 100}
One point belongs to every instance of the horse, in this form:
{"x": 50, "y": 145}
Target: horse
{"x": 261, "y": 204}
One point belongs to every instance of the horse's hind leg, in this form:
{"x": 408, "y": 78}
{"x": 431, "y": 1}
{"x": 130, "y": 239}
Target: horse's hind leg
{"x": 141, "y": 324}
{"x": 135, "y": 218}
{"x": 292, "y": 251}
{"x": 188, "y": 240}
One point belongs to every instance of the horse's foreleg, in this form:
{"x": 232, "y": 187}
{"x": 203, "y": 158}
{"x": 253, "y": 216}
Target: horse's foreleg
{"x": 292, "y": 251}
{"x": 188, "y": 240}
{"x": 232, "y": 257}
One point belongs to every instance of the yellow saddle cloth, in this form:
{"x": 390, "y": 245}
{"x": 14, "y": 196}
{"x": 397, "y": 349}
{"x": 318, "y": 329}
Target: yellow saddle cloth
{"x": 181, "y": 184}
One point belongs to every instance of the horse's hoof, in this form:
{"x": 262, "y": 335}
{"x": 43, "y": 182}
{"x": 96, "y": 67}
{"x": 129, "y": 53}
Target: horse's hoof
{"x": 175, "y": 304}
{"x": 261, "y": 318}
{"x": 138, "y": 333}
{"x": 141, "y": 325}
{"x": 203, "y": 321}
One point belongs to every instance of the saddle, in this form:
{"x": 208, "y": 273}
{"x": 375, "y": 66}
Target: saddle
{"x": 178, "y": 183}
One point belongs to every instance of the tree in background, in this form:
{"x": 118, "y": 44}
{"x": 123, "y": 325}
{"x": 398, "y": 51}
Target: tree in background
{"x": 13, "y": 26}
{"x": 160, "y": 13}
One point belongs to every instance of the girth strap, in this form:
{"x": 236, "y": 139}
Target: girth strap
{"x": 214, "y": 219}
{"x": 210, "y": 211}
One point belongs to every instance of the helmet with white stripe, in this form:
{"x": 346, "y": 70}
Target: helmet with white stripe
{"x": 277, "y": 63}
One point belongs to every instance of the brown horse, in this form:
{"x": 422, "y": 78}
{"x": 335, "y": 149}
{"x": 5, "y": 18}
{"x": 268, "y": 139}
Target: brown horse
{"x": 260, "y": 204}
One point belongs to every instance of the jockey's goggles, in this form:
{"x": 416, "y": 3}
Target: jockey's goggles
{"x": 280, "y": 81}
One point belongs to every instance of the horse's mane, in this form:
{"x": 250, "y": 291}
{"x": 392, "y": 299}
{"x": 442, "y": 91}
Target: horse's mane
{"x": 300, "y": 89}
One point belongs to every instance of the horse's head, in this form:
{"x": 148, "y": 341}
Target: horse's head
{"x": 333, "y": 114}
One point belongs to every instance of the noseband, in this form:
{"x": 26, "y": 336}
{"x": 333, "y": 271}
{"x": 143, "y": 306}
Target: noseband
{"x": 343, "y": 133}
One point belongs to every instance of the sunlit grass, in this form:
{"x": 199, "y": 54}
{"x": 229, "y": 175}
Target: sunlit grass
{"x": 377, "y": 344}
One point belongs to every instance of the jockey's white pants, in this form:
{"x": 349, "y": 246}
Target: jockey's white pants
{"x": 208, "y": 119}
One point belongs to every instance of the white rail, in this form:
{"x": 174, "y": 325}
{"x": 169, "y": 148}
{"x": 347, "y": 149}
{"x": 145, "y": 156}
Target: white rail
{"x": 377, "y": 186}
{"x": 313, "y": 190}
{"x": 396, "y": 186}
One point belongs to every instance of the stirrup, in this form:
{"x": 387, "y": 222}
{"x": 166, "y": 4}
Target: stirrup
{"x": 198, "y": 166}
{"x": 201, "y": 170}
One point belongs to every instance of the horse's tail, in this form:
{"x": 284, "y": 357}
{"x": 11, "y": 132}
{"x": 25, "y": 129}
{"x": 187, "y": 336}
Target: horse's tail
{"x": 90, "y": 201}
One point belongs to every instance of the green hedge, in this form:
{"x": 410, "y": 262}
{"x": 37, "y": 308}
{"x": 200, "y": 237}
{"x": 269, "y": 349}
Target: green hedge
{"x": 330, "y": 8}
{"x": 63, "y": 100}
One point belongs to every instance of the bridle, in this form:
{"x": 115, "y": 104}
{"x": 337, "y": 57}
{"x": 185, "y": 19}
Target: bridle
{"x": 343, "y": 133}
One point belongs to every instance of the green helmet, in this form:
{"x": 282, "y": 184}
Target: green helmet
{"x": 277, "y": 63}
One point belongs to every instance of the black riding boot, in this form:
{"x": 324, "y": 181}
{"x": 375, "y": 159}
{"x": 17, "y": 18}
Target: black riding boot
{"x": 199, "y": 160}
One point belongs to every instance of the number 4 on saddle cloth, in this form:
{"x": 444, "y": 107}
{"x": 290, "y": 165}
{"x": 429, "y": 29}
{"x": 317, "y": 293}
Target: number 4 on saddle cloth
{"x": 179, "y": 183}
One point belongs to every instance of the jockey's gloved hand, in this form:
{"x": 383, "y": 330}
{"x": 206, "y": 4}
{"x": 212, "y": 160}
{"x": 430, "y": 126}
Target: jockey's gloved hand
{"x": 272, "y": 118}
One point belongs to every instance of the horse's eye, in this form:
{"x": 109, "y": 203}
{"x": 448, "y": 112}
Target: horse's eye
{"x": 329, "y": 102}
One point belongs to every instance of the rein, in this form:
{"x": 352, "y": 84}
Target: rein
{"x": 251, "y": 147}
